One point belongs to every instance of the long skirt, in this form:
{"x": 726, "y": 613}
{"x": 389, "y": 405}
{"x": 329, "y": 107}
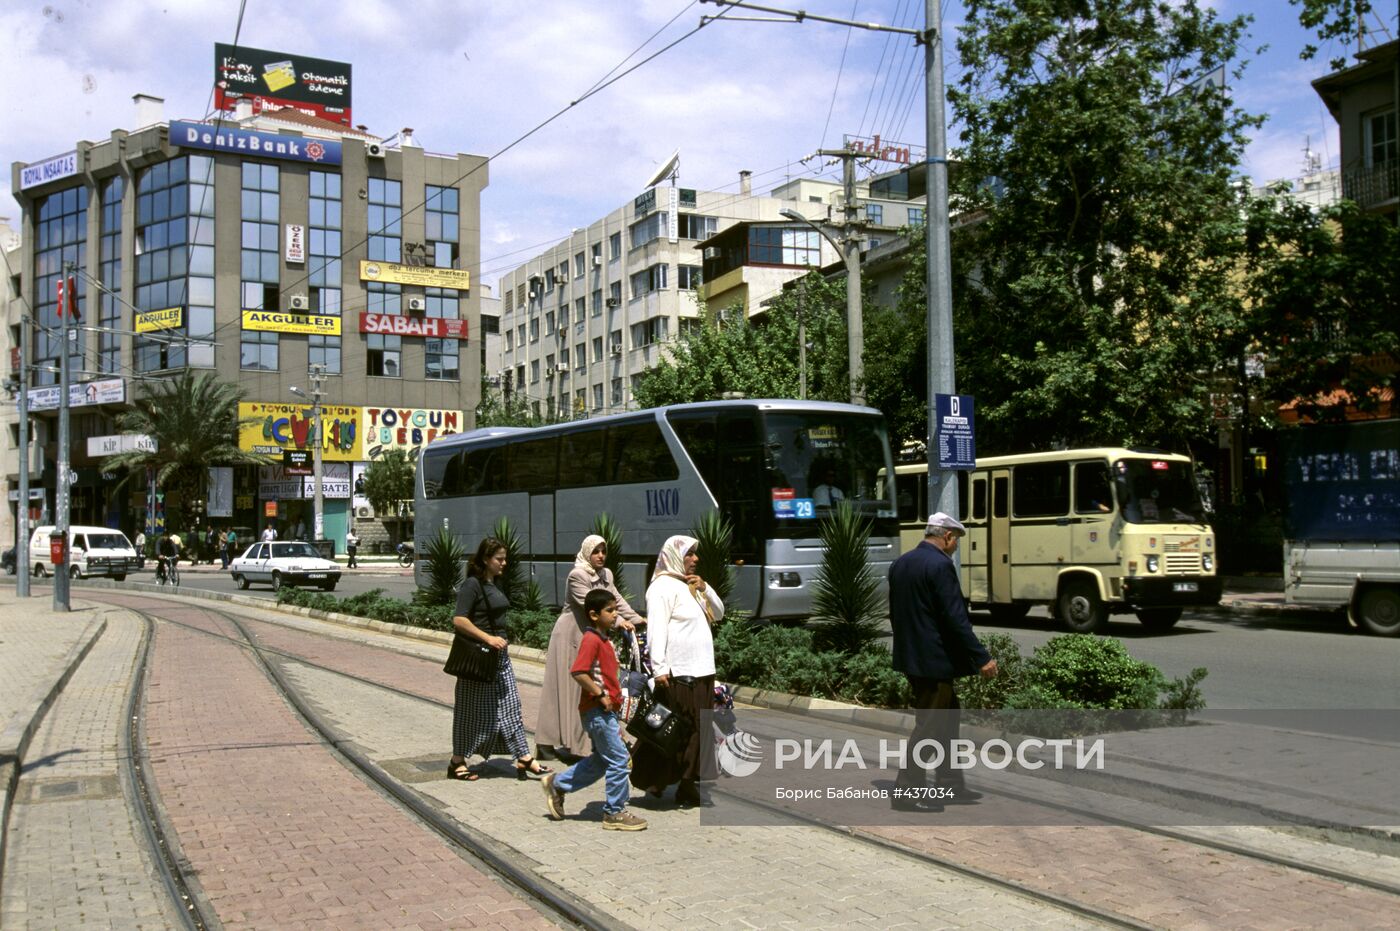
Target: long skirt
{"x": 651, "y": 769}
{"x": 559, "y": 724}
{"x": 486, "y": 716}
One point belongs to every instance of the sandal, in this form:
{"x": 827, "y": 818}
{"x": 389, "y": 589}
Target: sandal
{"x": 461, "y": 772}
{"x": 529, "y": 768}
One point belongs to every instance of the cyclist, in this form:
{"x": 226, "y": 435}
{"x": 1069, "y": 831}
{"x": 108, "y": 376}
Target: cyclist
{"x": 167, "y": 551}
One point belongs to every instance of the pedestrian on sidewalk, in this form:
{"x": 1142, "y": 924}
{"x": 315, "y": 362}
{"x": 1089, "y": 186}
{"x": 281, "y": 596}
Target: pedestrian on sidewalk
{"x": 210, "y": 543}
{"x": 559, "y": 733}
{"x": 595, "y": 670}
{"x": 230, "y": 546}
{"x": 933, "y": 644}
{"x": 486, "y": 716}
{"x": 352, "y": 546}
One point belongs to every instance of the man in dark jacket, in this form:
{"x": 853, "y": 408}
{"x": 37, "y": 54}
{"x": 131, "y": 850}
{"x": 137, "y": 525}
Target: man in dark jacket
{"x": 933, "y": 645}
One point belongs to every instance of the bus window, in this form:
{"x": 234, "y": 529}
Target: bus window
{"x": 451, "y": 483}
{"x": 962, "y": 496}
{"x": 1041, "y": 490}
{"x": 484, "y": 470}
{"x": 441, "y": 468}
{"x": 909, "y": 489}
{"x": 533, "y": 465}
{"x": 581, "y": 458}
{"x": 979, "y": 499}
{"x": 638, "y": 453}
{"x": 999, "y": 496}
{"x": 1093, "y": 493}
{"x": 697, "y": 435}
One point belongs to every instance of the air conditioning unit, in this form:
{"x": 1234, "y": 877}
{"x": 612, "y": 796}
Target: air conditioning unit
{"x": 364, "y": 511}
{"x": 417, "y": 305}
{"x": 534, "y": 295}
{"x": 374, "y": 150}
{"x": 617, "y": 350}
{"x": 298, "y": 302}
{"x": 711, "y": 253}
{"x": 597, "y": 260}
{"x": 613, "y": 302}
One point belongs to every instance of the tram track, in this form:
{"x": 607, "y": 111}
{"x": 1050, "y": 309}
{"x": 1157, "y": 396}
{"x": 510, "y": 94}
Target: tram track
{"x": 865, "y": 836}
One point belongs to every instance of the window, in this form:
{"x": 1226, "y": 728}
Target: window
{"x": 615, "y": 293}
{"x": 520, "y": 374}
{"x": 875, "y": 213}
{"x": 687, "y": 277}
{"x": 777, "y": 245}
{"x": 110, "y": 272}
{"x": 261, "y": 259}
{"x": 442, "y": 360}
{"x": 614, "y": 247}
{"x": 548, "y": 280}
{"x": 384, "y": 351}
{"x": 648, "y": 280}
{"x": 597, "y": 349}
{"x": 693, "y": 226}
{"x": 384, "y": 221}
{"x": 596, "y": 251}
{"x": 979, "y": 499}
{"x": 520, "y": 336}
{"x": 617, "y": 392}
{"x": 597, "y": 303}
{"x": 645, "y": 231}
{"x": 580, "y": 356}
{"x": 534, "y": 371}
{"x": 1040, "y": 490}
{"x": 258, "y": 350}
{"x": 916, "y": 216}
{"x": 324, "y": 265}
{"x": 597, "y": 397}
{"x": 324, "y": 351}
{"x": 535, "y": 329}
{"x": 578, "y": 312}
{"x": 615, "y": 341}
{"x": 1093, "y": 490}
{"x": 510, "y": 342}
{"x": 648, "y": 332}
{"x": 440, "y": 217}
{"x": 549, "y": 323}
{"x": 1380, "y": 138}
{"x": 637, "y": 452}
{"x": 564, "y": 358}
{"x": 578, "y": 265}
{"x": 563, "y": 271}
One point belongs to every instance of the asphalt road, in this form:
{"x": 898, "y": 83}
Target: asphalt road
{"x": 1293, "y": 661}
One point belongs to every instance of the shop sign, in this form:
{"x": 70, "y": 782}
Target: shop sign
{"x": 50, "y": 169}
{"x": 316, "y": 86}
{"x": 277, "y": 321}
{"x": 402, "y": 325}
{"x": 408, "y": 428}
{"x": 98, "y": 446}
{"x": 422, "y": 276}
{"x": 253, "y": 143}
{"x": 274, "y": 484}
{"x": 269, "y": 429}
{"x": 296, "y": 242}
{"x": 243, "y": 502}
{"x": 269, "y": 509}
{"x": 167, "y": 319}
{"x": 106, "y": 391}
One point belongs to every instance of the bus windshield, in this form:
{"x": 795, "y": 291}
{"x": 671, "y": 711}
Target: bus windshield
{"x": 825, "y": 458}
{"x": 1158, "y": 491}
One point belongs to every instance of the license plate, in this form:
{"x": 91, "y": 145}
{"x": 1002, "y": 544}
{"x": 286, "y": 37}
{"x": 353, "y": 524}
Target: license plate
{"x": 1183, "y": 586}
{"x": 316, "y": 575}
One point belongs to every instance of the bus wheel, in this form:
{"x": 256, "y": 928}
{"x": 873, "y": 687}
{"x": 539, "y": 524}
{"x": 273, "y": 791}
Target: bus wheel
{"x": 1159, "y": 619}
{"x": 1379, "y": 611}
{"x": 1080, "y": 609}
{"x": 1008, "y": 614}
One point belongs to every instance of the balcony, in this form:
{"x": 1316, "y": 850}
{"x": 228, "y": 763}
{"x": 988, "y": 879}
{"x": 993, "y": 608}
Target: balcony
{"x": 1372, "y": 187}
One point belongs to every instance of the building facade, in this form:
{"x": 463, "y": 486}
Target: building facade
{"x": 1362, "y": 99}
{"x": 258, "y": 248}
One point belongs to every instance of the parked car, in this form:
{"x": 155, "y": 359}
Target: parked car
{"x": 284, "y": 563}
{"x": 93, "y": 551}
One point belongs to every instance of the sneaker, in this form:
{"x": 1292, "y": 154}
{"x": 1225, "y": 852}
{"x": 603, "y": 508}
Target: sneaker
{"x": 553, "y": 798}
{"x": 623, "y": 821}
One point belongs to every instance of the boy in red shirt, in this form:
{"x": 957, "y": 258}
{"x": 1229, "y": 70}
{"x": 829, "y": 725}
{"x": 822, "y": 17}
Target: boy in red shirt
{"x": 595, "y": 670}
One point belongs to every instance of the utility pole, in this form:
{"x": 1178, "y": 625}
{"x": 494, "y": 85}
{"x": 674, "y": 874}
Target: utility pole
{"x": 941, "y": 378}
{"x": 66, "y": 307}
{"x": 802, "y": 339}
{"x": 22, "y": 512}
{"x": 318, "y": 378}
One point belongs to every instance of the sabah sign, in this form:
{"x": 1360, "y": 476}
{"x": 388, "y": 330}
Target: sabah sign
{"x": 408, "y": 428}
{"x": 251, "y": 142}
{"x": 953, "y": 426}
{"x": 401, "y": 325}
{"x": 277, "y": 321}
{"x": 268, "y": 429}
{"x": 50, "y": 169}
{"x": 168, "y": 319}
{"x": 278, "y": 79}
{"x": 422, "y": 276}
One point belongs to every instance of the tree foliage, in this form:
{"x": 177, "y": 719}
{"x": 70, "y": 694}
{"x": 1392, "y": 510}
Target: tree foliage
{"x": 1323, "y": 288}
{"x": 389, "y": 482}
{"x": 1101, "y": 270}
{"x": 1332, "y": 20}
{"x": 503, "y": 407}
{"x": 724, "y": 352}
{"x": 193, "y": 417}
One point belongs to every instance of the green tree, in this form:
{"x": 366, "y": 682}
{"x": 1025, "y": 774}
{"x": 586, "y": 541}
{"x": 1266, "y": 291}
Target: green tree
{"x": 389, "y": 483}
{"x": 725, "y": 352}
{"x": 193, "y": 417}
{"x": 502, "y": 407}
{"x": 1323, "y": 288}
{"x": 896, "y": 351}
{"x": 1333, "y": 20}
{"x": 1103, "y": 270}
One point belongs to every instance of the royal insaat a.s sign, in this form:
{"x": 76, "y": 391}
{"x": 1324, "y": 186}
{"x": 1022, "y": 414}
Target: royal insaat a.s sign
{"x": 50, "y": 169}
{"x": 252, "y": 143}
{"x": 315, "y": 86}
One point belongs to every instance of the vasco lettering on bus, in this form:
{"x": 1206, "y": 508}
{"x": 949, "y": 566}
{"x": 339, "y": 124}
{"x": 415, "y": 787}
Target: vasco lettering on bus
{"x": 663, "y": 502}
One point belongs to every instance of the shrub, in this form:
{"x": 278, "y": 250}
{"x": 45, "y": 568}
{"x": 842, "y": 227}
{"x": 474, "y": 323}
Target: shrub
{"x": 1093, "y": 672}
{"x": 714, "y": 535}
{"x": 445, "y": 561}
{"x": 611, "y": 532}
{"x": 846, "y": 594}
{"x": 869, "y": 679}
{"x": 532, "y": 628}
{"x": 976, "y": 692}
{"x": 1185, "y": 694}
{"x": 512, "y": 581}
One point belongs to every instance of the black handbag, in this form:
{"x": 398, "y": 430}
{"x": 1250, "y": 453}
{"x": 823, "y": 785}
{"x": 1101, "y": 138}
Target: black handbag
{"x": 471, "y": 659}
{"x": 660, "y": 726}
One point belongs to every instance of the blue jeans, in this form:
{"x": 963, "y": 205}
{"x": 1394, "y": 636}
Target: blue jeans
{"x": 609, "y": 758}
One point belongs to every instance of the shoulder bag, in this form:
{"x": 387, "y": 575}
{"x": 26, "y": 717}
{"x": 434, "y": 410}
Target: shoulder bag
{"x": 469, "y": 658}
{"x": 659, "y": 726}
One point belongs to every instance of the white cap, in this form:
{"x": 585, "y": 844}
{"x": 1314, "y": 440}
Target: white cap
{"x": 942, "y": 523}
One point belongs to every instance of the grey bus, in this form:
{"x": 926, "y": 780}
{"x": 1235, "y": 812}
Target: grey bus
{"x": 773, "y": 467}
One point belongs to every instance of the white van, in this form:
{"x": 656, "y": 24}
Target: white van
{"x": 94, "y": 551}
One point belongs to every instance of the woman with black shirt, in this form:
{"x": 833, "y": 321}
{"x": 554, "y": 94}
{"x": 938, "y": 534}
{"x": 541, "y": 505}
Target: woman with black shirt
{"x": 486, "y": 716}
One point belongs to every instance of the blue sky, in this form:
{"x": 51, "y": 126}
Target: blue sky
{"x": 474, "y": 77}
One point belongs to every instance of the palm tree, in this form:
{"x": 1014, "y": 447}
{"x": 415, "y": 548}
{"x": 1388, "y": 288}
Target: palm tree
{"x": 193, "y": 417}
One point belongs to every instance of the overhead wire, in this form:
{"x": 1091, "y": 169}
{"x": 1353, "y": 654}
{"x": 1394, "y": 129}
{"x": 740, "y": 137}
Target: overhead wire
{"x": 840, "y": 70}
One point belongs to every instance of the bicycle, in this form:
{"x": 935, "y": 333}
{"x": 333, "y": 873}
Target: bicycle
{"x": 405, "y": 551}
{"x": 167, "y": 570}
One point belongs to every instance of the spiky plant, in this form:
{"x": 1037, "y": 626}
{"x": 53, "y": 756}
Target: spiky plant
{"x": 445, "y": 561}
{"x": 606, "y": 527}
{"x": 846, "y": 594}
{"x": 714, "y": 534}
{"x": 512, "y": 581}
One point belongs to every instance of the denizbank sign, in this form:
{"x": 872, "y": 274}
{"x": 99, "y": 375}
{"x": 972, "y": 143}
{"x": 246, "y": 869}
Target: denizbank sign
{"x": 251, "y": 142}
{"x": 276, "y": 321}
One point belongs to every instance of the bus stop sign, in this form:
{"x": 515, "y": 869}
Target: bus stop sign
{"x": 953, "y": 429}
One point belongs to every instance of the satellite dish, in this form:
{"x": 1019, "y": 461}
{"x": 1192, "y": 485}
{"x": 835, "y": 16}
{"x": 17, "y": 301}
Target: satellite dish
{"x": 671, "y": 167}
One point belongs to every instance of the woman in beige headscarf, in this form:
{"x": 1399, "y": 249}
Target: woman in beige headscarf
{"x": 559, "y": 732}
{"x": 681, "y": 609}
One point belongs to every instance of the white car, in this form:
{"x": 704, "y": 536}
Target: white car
{"x": 94, "y": 551}
{"x": 281, "y": 564}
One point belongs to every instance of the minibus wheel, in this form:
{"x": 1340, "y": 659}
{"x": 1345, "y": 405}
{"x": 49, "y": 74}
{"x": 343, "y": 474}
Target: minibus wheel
{"x": 1080, "y": 608}
{"x": 1159, "y": 619}
{"x": 1380, "y": 611}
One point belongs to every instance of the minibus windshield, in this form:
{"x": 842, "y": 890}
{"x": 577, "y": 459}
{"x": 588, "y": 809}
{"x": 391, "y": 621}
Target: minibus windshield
{"x": 1158, "y": 491}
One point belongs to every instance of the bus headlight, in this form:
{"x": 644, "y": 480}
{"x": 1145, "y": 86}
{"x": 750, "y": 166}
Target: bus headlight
{"x": 784, "y": 580}
{"x": 1207, "y": 563}
{"x": 1151, "y": 563}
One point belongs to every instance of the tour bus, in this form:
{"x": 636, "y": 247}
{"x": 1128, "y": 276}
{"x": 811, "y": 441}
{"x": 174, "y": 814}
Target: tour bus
{"x": 1086, "y": 532}
{"x": 773, "y": 467}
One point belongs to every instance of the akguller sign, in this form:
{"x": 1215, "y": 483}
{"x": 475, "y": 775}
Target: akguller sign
{"x": 403, "y": 325}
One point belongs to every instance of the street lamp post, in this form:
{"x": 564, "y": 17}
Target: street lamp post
{"x": 848, "y": 245}
{"x": 317, "y": 378}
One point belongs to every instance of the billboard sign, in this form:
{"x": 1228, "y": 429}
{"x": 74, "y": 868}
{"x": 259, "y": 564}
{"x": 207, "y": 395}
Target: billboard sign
{"x": 251, "y": 142}
{"x": 50, "y": 169}
{"x": 268, "y": 429}
{"x": 276, "y": 321}
{"x": 401, "y": 325}
{"x": 153, "y": 320}
{"x": 105, "y": 391}
{"x": 315, "y": 86}
{"x": 387, "y": 428}
{"x": 423, "y": 276}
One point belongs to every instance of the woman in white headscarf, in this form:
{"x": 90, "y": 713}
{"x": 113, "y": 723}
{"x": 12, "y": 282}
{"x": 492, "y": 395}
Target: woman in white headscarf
{"x": 559, "y": 732}
{"x": 681, "y": 609}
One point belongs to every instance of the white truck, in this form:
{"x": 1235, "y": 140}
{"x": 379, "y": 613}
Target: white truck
{"x": 1342, "y": 538}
